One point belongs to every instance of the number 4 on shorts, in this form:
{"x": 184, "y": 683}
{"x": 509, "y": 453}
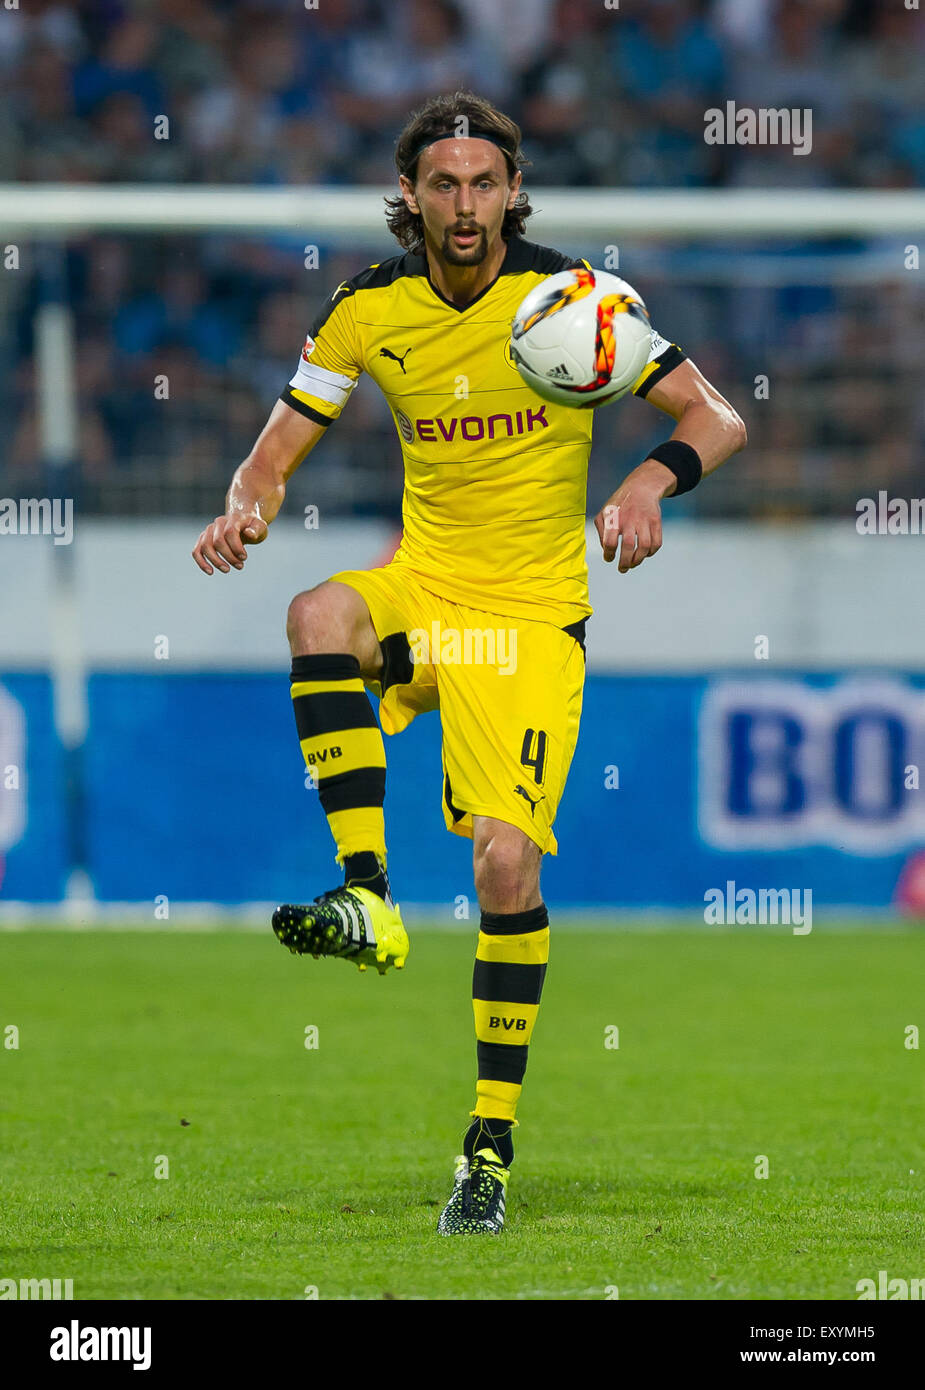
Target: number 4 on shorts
{"x": 533, "y": 753}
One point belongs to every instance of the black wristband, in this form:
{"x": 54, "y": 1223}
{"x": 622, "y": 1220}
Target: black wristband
{"x": 683, "y": 460}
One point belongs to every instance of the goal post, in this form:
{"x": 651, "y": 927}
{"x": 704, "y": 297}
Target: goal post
{"x": 345, "y": 214}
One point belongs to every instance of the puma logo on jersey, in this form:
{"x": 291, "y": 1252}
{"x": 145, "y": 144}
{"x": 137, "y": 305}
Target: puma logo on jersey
{"x": 522, "y": 791}
{"x": 387, "y": 352}
{"x": 342, "y": 288}
{"x": 499, "y": 1021}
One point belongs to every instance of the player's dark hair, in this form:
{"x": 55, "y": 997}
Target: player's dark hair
{"x": 440, "y": 117}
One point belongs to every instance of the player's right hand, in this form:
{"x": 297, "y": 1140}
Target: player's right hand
{"x": 222, "y": 544}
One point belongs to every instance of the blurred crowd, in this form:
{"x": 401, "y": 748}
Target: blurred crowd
{"x": 272, "y": 92}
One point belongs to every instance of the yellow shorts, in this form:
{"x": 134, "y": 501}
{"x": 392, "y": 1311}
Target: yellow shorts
{"x": 508, "y": 691}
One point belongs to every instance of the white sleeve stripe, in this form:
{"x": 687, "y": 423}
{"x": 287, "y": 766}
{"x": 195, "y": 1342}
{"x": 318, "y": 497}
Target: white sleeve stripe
{"x": 319, "y": 390}
{"x": 311, "y": 369}
{"x": 318, "y": 381}
{"x": 326, "y": 385}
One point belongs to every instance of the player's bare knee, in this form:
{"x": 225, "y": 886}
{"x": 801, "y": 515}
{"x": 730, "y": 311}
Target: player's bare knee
{"x": 508, "y": 892}
{"x": 506, "y": 869}
{"x": 332, "y": 617}
{"x": 305, "y": 623}
{"x": 319, "y": 620}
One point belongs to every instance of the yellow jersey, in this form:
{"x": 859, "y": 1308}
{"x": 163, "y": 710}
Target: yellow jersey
{"x": 495, "y": 478}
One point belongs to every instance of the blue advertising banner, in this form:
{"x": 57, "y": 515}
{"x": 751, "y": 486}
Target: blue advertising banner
{"x": 34, "y": 852}
{"x": 680, "y": 784}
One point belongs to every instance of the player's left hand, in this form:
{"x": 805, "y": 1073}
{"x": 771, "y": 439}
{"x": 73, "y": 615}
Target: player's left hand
{"x": 631, "y": 519}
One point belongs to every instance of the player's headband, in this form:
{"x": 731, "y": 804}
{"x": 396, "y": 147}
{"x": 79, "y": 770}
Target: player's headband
{"x": 474, "y": 134}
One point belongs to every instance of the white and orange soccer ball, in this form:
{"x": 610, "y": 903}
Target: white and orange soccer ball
{"x": 581, "y": 338}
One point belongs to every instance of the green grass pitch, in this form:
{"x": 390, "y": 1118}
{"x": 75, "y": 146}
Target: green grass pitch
{"x": 325, "y": 1168}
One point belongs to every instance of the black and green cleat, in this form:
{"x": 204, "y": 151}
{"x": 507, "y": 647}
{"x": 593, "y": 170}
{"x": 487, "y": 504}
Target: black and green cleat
{"x": 476, "y": 1205}
{"x": 350, "y": 923}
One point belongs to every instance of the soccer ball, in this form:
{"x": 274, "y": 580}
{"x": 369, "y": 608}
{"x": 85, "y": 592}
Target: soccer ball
{"x": 581, "y": 338}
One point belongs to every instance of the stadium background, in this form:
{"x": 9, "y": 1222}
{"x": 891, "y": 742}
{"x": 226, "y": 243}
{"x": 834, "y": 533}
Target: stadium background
{"x": 145, "y": 766}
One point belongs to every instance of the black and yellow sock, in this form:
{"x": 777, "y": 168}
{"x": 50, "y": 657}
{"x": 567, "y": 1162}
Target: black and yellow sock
{"x": 342, "y": 745}
{"x": 367, "y": 870}
{"x": 510, "y": 966}
{"x": 490, "y": 1134}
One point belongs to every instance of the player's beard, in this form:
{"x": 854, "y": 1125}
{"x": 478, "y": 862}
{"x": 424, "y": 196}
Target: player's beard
{"x": 472, "y": 255}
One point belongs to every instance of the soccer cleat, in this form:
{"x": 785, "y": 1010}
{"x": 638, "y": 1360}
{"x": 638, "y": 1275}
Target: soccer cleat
{"x": 477, "y": 1201}
{"x": 352, "y": 923}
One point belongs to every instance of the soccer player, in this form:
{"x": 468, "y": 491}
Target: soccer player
{"x": 491, "y": 567}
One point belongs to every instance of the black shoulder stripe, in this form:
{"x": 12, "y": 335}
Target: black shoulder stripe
{"x": 544, "y": 260}
{"x": 374, "y": 277}
{"x": 672, "y": 357}
{"x": 325, "y": 312}
{"x": 294, "y": 403}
